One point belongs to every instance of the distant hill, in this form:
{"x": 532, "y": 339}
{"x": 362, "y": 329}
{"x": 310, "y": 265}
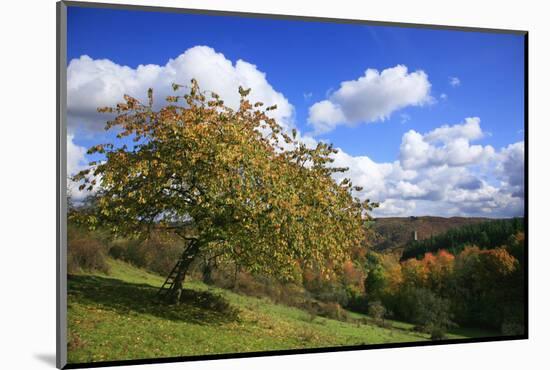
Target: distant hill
{"x": 394, "y": 233}
{"x": 485, "y": 235}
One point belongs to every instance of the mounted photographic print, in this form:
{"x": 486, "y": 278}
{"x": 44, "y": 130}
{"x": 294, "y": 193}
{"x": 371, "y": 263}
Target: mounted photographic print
{"x": 234, "y": 184}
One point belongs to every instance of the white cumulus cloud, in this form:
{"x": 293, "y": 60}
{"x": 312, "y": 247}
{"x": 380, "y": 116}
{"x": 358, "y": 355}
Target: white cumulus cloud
{"x": 93, "y": 83}
{"x": 76, "y": 161}
{"x": 470, "y": 130}
{"x": 511, "y": 168}
{"x": 441, "y": 173}
{"x": 372, "y": 97}
{"x": 76, "y": 156}
{"x": 446, "y": 145}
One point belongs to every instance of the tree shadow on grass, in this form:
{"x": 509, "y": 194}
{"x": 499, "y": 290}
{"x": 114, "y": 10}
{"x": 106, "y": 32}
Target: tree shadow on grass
{"x": 196, "y": 307}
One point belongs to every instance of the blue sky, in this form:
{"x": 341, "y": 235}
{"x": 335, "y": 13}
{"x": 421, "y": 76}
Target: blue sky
{"x": 306, "y": 62}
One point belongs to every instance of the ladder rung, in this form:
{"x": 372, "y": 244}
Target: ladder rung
{"x": 170, "y": 280}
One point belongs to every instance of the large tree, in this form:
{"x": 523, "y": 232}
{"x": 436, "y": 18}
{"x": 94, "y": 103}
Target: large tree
{"x": 231, "y": 183}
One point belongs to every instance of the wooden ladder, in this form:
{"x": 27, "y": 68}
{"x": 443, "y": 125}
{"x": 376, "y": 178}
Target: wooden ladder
{"x": 169, "y": 282}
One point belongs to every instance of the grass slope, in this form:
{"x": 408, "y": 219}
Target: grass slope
{"x": 113, "y": 317}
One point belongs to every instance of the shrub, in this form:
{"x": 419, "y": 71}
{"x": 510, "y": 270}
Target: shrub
{"x": 312, "y": 308}
{"x": 437, "y": 334}
{"x": 333, "y": 311}
{"x": 358, "y": 303}
{"x": 512, "y": 328}
{"x": 246, "y": 283}
{"x": 118, "y": 251}
{"x": 330, "y": 292}
{"x": 429, "y": 312}
{"x": 156, "y": 253}
{"x": 287, "y": 293}
{"x": 377, "y": 311}
{"x": 85, "y": 252}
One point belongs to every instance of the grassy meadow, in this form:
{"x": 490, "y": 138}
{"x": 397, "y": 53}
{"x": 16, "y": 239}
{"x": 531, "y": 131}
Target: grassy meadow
{"x": 114, "y": 317}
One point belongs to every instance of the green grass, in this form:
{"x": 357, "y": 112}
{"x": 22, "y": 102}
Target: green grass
{"x": 114, "y": 317}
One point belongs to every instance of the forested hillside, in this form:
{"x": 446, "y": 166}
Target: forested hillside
{"x": 486, "y": 235}
{"x": 392, "y": 233}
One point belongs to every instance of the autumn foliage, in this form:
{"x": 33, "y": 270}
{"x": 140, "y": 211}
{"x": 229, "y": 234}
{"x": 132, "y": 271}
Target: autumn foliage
{"x": 478, "y": 287}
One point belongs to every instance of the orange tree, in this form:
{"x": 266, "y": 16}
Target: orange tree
{"x": 231, "y": 183}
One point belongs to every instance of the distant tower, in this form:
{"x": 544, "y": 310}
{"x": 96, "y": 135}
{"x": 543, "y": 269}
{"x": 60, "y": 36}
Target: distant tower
{"x": 415, "y": 235}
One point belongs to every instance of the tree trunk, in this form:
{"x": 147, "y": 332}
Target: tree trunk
{"x": 207, "y": 270}
{"x": 187, "y": 257}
